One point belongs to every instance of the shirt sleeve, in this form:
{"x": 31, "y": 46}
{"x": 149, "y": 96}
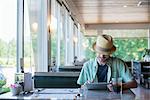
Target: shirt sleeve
{"x": 83, "y": 76}
{"x": 126, "y": 74}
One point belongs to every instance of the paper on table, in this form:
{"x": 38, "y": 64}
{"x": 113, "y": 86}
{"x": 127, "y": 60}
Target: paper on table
{"x": 54, "y": 96}
{"x": 59, "y": 91}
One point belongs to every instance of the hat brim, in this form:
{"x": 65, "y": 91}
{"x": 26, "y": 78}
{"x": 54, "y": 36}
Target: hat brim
{"x": 103, "y": 51}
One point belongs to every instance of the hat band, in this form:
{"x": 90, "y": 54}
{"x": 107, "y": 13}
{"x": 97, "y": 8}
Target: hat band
{"x": 103, "y": 49}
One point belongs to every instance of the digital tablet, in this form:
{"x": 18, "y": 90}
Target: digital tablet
{"x": 97, "y": 86}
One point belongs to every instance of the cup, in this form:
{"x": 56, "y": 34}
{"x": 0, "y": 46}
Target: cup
{"x": 82, "y": 91}
{"x": 117, "y": 85}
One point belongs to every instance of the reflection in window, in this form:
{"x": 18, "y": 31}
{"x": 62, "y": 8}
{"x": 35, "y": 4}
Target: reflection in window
{"x": 30, "y": 34}
{"x": 53, "y": 33}
{"x": 35, "y": 36}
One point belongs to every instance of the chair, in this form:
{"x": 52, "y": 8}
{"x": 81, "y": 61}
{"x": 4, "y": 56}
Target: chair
{"x": 56, "y": 80}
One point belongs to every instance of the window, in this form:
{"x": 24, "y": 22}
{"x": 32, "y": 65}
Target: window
{"x": 70, "y": 41}
{"x": 62, "y": 45}
{"x": 8, "y": 30}
{"x": 130, "y": 43}
{"x": 53, "y": 32}
{"x": 35, "y": 36}
{"x": 87, "y": 46}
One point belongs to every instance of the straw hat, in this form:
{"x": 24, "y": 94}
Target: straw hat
{"x": 104, "y": 45}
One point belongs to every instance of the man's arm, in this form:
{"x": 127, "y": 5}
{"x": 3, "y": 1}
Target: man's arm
{"x": 129, "y": 81}
{"x": 128, "y": 85}
{"x": 125, "y": 86}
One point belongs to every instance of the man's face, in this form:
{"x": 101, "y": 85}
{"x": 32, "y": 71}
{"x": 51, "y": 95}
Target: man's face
{"x": 102, "y": 58}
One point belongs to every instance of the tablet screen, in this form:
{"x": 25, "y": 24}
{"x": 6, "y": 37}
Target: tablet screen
{"x": 97, "y": 86}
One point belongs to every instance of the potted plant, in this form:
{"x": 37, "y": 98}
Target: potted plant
{"x": 3, "y": 88}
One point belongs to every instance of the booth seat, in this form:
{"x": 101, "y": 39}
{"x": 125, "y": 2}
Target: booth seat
{"x": 56, "y": 79}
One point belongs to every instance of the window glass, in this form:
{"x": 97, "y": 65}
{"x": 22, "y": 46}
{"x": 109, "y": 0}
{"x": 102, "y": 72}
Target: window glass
{"x": 58, "y": 37}
{"x": 62, "y": 35}
{"x": 8, "y": 29}
{"x": 35, "y": 35}
{"x": 130, "y": 48}
{"x": 54, "y": 32}
{"x": 31, "y": 27}
{"x": 130, "y": 44}
{"x": 70, "y": 41}
{"x": 87, "y": 46}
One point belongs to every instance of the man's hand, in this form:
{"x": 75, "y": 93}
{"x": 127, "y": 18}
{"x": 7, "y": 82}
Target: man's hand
{"x": 110, "y": 87}
{"x": 88, "y": 82}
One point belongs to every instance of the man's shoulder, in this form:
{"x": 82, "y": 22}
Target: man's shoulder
{"x": 90, "y": 61}
{"x": 116, "y": 59}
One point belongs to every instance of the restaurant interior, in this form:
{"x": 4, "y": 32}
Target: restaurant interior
{"x": 44, "y": 45}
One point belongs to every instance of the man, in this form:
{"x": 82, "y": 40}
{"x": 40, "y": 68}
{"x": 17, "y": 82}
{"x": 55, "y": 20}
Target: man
{"x": 104, "y": 67}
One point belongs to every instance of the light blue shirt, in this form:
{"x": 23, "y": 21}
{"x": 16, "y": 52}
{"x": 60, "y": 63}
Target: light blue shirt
{"x": 116, "y": 68}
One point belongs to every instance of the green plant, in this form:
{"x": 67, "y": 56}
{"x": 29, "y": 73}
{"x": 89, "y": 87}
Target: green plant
{"x": 2, "y": 83}
{"x": 2, "y": 80}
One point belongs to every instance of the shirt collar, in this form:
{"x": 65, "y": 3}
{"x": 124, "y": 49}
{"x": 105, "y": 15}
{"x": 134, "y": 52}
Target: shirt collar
{"x": 108, "y": 63}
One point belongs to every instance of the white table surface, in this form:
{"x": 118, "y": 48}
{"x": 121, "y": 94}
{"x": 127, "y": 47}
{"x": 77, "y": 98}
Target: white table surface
{"x": 55, "y": 94}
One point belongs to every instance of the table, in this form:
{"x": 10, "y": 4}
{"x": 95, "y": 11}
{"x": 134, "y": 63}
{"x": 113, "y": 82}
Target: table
{"x": 141, "y": 93}
{"x": 106, "y": 95}
{"x": 58, "y": 93}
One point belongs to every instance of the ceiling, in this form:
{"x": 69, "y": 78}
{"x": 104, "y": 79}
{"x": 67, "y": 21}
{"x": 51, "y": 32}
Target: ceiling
{"x": 111, "y": 11}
